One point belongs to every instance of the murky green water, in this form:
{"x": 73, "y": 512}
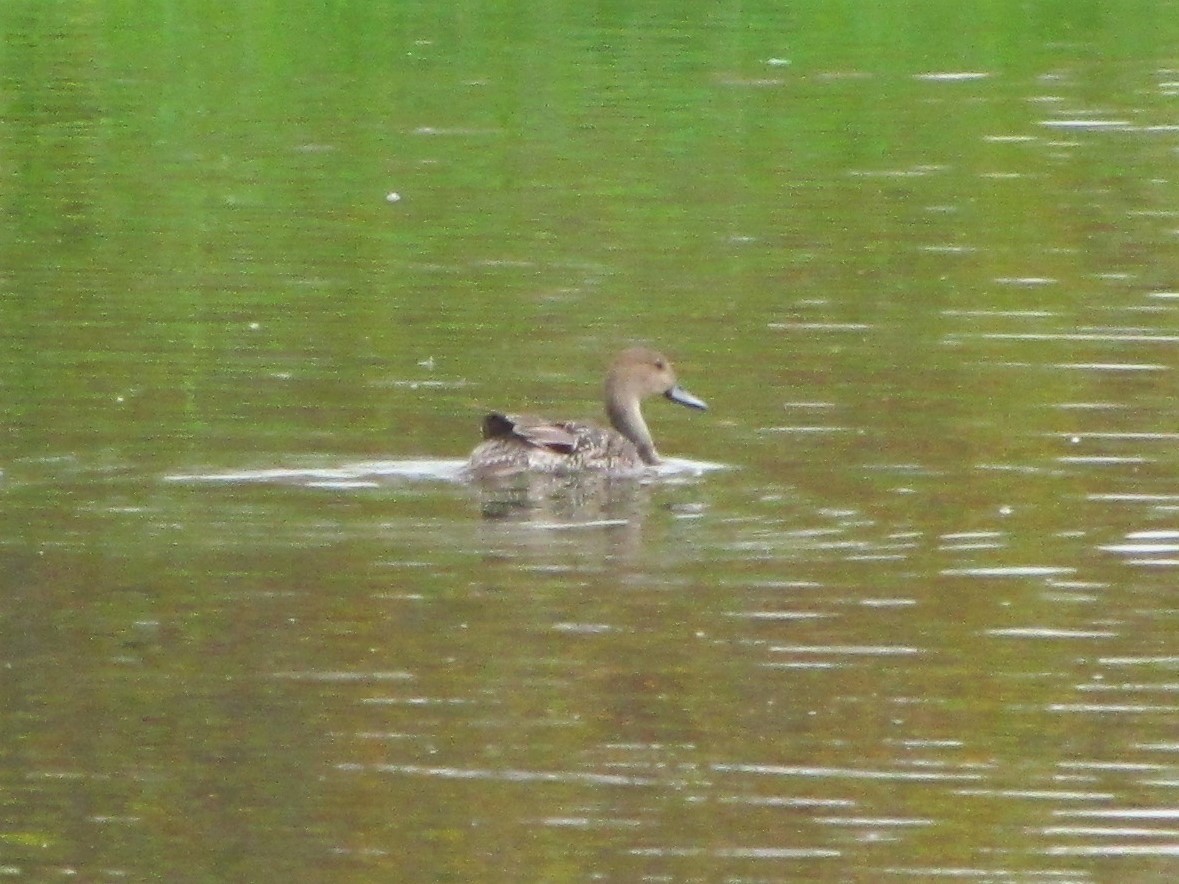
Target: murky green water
{"x": 260, "y": 274}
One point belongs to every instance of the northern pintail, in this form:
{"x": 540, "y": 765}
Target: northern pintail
{"x": 520, "y": 443}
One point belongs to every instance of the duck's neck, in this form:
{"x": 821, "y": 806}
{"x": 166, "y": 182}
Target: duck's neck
{"x": 627, "y": 418}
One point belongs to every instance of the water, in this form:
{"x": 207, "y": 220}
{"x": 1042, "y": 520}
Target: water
{"x": 901, "y": 607}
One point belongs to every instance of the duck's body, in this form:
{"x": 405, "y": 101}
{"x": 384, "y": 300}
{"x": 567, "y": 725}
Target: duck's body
{"x": 523, "y": 443}
{"x": 517, "y": 443}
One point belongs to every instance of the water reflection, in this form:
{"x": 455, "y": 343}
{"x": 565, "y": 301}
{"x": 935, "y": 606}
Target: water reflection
{"x": 556, "y": 502}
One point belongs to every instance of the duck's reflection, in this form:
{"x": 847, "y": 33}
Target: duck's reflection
{"x": 555, "y": 521}
{"x": 582, "y": 499}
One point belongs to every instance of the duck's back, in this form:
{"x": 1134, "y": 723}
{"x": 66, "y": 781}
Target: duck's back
{"x": 516, "y": 443}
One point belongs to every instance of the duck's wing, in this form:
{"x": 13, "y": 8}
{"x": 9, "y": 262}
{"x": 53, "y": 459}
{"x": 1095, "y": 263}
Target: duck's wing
{"x": 534, "y": 431}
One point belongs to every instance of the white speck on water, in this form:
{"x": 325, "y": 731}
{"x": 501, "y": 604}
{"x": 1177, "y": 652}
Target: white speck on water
{"x": 1049, "y": 632}
{"x": 1086, "y": 124}
{"x": 1025, "y": 280}
{"x": 951, "y": 76}
{"x": 1008, "y": 571}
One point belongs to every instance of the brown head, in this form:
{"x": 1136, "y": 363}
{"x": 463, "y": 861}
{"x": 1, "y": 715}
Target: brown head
{"x": 635, "y": 374}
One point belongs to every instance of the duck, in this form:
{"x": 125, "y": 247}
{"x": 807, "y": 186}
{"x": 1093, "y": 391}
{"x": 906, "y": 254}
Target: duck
{"x": 515, "y": 444}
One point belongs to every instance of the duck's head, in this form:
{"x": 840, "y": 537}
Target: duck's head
{"x": 634, "y": 375}
{"x": 639, "y": 372}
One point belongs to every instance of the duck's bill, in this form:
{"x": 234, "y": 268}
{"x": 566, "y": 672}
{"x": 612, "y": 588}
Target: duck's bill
{"x": 683, "y": 397}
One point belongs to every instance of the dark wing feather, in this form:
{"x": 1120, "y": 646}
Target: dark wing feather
{"x": 536, "y": 432}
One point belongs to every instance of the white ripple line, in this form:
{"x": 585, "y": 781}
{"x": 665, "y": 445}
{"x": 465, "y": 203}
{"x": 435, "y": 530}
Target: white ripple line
{"x": 850, "y": 773}
{"x": 510, "y": 775}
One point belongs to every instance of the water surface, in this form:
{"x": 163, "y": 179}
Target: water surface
{"x": 260, "y": 277}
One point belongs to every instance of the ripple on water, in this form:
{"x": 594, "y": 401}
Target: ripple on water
{"x": 1110, "y": 336}
{"x": 1155, "y": 548}
{"x": 1114, "y": 831}
{"x": 969, "y": 541}
{"x": 330, "y": 676}
{"x": 1104, "y": 460}
{"x": 369, "y": 474}
{"x": 1009, "y": 571}
{"x": 1111, "y": 366}
{"x": 822, "y": 326}
{"x": 738, "y": 852}
{"x": 848, "y": 650}
{"x": 1026, "y": 281}
{"x": 1093, "y": 123}
{"x": 951, "y": 76}
{"x": 1050, "y": 632}
{"x": 850, "y": 773}
{"x": 355, "y": 474}
{"x": 583, "y": 822}
{"x": 505, "y": 775}
{"x": 778, "y": 615}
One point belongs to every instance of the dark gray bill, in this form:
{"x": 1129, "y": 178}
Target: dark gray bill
{"x": 683, "y": 397}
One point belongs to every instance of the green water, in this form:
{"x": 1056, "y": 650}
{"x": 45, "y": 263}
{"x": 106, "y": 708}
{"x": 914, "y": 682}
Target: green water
{"x": 921, "y": 259}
